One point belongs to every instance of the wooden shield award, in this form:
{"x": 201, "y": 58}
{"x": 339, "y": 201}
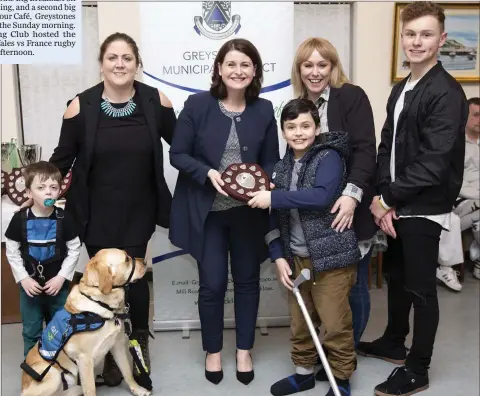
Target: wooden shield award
{"x": 243, "y": 178}
{"x": 65, "y": 185}
{"x": 4, "y": 181}
{"x": 15, "y": 186}
{"x": 16, "y": 190}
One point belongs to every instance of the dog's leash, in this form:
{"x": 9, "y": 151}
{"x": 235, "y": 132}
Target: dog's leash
{"x": 143, "y": 378}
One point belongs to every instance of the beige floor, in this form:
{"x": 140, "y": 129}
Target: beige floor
{"x": 178, "y": 364}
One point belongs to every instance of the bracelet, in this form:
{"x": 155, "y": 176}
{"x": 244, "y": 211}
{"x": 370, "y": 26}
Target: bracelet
{"x": 382, "y": 204}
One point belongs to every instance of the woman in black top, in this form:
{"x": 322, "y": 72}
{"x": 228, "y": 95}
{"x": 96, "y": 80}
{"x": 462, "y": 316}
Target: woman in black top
{"x": 111, "y": 133}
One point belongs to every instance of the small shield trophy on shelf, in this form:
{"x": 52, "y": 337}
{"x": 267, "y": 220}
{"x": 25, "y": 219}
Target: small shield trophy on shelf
{"x": 28, "y": 154}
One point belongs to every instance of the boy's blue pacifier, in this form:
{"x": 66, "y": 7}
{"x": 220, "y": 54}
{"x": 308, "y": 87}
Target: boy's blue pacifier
{"x": 49, "y": 202}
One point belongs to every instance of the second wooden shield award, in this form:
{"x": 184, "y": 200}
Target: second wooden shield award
{"x": 241, "y": 179}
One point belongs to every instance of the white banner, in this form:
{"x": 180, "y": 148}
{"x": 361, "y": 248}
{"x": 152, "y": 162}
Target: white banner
{"x": 179, "y": 42}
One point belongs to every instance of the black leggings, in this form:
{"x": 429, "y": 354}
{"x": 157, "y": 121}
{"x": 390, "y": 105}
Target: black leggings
{"x": 138, "y": 292}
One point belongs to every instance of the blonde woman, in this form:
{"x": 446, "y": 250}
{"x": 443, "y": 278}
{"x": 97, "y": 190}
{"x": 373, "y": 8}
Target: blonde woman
{"x": 317, "y": 74}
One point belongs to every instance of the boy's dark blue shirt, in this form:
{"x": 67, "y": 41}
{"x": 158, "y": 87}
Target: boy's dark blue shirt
{"x": 328, "y": 176}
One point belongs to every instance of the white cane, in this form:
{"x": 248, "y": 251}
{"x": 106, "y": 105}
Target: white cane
{"x": 304, "y": 276}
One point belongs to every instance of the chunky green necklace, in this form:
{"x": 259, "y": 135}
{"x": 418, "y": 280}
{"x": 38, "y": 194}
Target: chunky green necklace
{"x": 111, "y": 111}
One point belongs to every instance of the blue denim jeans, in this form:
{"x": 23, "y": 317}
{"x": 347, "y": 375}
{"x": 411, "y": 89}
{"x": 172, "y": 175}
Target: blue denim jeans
{"x": 37, "y": 309}
{"x": 360, "y": 299}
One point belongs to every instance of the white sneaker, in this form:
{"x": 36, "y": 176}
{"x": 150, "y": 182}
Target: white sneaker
{"x": 476, "y": 269}
{"x": 448, "y": 276}
{"x": 474, "y": 251}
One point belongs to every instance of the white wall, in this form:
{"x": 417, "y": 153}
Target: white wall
{"x": 372, "y": 53}
{"x": 9, "y": 102}
{"x": 121, "y": 17}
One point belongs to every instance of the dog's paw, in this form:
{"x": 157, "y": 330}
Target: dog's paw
{"x": 139, "y": 391}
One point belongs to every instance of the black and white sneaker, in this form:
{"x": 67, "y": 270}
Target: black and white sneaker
{"x": 402, "y": 382}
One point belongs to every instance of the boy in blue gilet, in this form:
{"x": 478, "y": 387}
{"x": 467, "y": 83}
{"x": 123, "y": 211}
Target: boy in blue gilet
{"x": 43, "y": 248}
{"x": 308, "y": 181}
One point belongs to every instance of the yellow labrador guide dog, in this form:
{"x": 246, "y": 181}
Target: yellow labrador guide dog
{"x": 100, "y": 297}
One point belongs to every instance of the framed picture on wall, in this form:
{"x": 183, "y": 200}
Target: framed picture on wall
{"x": 459, "y": 54}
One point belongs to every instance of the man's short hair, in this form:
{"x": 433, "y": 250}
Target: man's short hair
{"x": 419, "y": 9}
{"x": 475, "y": 101}
{"x": 295, "y": 107}
{"x": 44, "y": 170}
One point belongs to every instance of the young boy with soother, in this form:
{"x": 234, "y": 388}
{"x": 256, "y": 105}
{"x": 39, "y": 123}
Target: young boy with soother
{"x": 308, "y": 180}
{"x": 42, "y": 247}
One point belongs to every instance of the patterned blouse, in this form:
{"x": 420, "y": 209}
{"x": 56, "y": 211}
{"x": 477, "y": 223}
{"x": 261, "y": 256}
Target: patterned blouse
{"x": 231, "y": 155}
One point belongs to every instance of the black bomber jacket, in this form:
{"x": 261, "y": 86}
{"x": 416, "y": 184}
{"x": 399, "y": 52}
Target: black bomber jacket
{"x": 429, "y": 146}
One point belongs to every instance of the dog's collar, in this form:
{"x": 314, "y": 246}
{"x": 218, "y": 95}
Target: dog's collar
{"x": 125, "y": 285}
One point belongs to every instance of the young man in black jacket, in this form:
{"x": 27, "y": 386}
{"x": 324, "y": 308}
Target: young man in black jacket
{"x": 420, "y": 171}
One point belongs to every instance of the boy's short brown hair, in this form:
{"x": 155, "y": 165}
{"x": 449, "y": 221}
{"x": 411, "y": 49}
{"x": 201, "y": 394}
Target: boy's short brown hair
{"x": 298, "y": 106}
{"x": 475, "y": 101}
{"x": 419, "y": 9}
{"x": 44, "y": 170}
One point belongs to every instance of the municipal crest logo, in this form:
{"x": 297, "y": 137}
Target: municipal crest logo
{"x": 217, "y": 22}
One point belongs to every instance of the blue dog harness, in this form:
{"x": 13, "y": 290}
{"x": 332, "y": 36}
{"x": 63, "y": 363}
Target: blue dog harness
{"x": 62, "y": 327}
{"x": 57, "y": 333}
{"x": 65, "y": 324}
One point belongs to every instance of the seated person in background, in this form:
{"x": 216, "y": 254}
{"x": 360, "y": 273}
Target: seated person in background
{"x": 466, "y": 213}
{"x": 42, "y": 247}
{"x": 308, "y": 181}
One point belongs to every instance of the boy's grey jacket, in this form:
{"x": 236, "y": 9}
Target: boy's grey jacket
{"x": 327, "y": 248}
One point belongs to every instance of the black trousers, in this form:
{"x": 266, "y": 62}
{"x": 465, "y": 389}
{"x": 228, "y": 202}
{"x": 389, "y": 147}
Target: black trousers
{"x": 411, "y": 262}
{"x": 138, "y": 292}
{"x": 236, "y": 231}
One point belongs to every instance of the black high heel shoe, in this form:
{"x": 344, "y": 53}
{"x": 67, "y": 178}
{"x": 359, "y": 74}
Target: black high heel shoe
{"x": 245, "y": 377}
{"x": 213, "y": 376}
